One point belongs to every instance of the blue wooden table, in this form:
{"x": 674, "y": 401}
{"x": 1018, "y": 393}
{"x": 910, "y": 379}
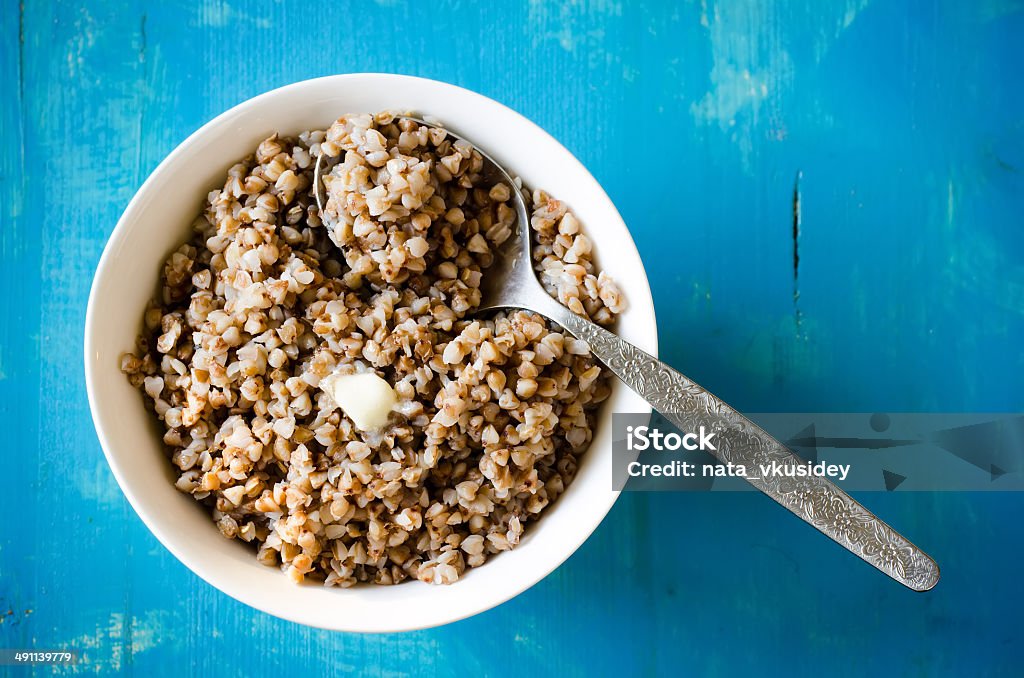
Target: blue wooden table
{"x": 899, "y": 126}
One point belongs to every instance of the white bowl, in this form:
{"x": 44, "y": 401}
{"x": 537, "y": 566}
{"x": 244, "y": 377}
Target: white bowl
{"x": 157, "y": 221}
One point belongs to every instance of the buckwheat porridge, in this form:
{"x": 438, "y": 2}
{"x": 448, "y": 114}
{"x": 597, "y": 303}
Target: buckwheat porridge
{"x": 333, "y": 398}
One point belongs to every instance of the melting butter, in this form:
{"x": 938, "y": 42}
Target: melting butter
{"x": 365, "y": 398}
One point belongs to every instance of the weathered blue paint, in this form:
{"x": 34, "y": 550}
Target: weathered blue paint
{"x": 904, "y": 122}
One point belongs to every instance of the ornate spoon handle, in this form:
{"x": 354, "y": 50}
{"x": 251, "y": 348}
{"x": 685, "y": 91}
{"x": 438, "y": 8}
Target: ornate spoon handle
{"x": 815, "y": 500}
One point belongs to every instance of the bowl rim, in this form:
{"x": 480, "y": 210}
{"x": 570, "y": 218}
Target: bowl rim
{"x": 639, "y": 298}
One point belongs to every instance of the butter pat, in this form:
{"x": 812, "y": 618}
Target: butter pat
{"x": 365, "y": 398}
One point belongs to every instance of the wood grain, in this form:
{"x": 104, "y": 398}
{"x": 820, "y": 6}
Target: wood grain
{"x": 903, "y": 121}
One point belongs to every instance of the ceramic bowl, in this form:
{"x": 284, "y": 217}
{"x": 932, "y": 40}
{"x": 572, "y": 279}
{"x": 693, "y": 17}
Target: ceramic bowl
{"x": 157, "y": 220}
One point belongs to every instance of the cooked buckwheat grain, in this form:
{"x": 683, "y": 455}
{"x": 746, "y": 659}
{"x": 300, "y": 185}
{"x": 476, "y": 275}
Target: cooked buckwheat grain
{"x": 263, "y": 302}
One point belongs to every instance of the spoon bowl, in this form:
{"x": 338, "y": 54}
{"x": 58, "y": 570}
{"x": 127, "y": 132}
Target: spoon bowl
{"x": 510, "y": 281}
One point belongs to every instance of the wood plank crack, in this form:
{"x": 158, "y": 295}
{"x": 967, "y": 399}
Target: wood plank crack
{"x": 796, "y": 247}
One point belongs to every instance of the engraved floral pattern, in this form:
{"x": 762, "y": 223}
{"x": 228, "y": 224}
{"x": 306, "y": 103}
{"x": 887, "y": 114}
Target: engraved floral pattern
{"x": 815, "y": 500}
{"x": 891, "y": 555}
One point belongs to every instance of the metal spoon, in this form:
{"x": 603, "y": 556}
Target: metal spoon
{"x": 511, "y": 283}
